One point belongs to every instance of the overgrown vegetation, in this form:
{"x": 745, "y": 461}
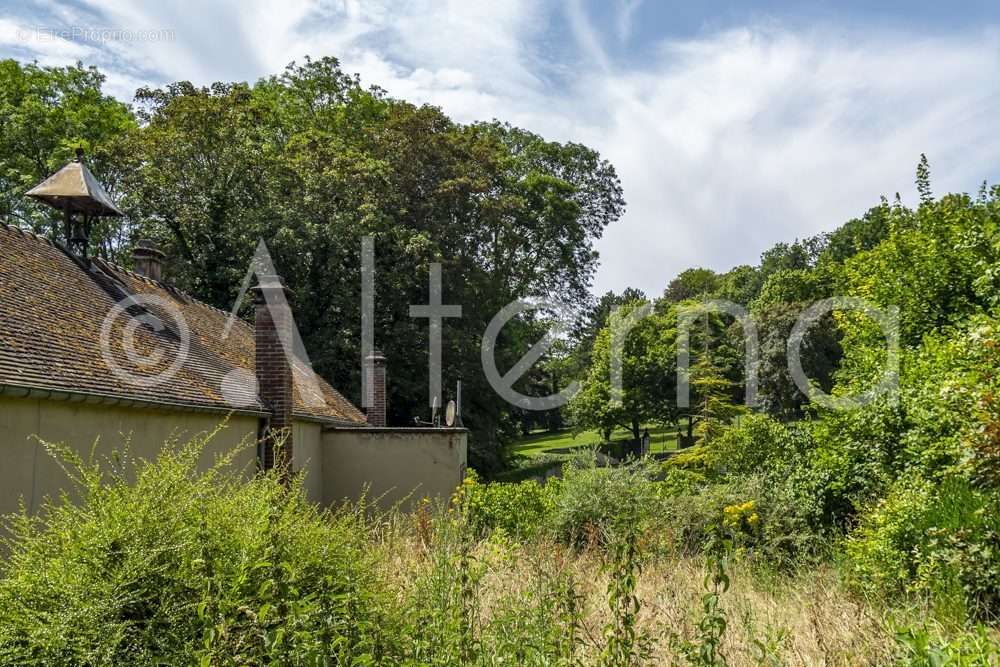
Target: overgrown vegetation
{"x": 162, "y": 564}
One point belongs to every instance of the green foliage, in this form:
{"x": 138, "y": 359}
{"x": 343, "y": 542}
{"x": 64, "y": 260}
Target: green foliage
{"x": 595, "y": 504}
{"x": 520, "y": 510}
{"x": 792, "y": 286}
{"x": 647, "y": 363}
{"x": 857, "y": 455}
{"x": 760, "y": 443}
{"x": 715, "y": 409}
{"x": 691, "y": 284}
{"x": 950, "y": 389}
{"x": 940, "y": 541}
{"x": 440, "y": 621}
{"x": 624, "y": 645}
{"x": 774, "y": 520}
{"x": 820, "y": 353}
{"x": 182, "y": 567}
{"x": 706, "y": 649}
{"x": 921, "y": 647}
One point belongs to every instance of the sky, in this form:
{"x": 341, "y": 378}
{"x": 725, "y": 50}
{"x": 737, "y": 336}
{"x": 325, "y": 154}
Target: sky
{"x": 732, "y": 125}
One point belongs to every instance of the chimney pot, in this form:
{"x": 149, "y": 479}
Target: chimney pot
{"x": 147, "y": 260}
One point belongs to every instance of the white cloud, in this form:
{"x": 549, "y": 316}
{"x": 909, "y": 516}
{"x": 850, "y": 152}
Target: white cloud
{"x": 731, "y": 143}
{"x": 725, "y": 143}
{"x": 626, "y": 15}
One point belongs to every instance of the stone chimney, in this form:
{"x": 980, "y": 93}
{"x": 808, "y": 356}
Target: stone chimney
{"x": 378, "y": 402}
{"x": 147, "y": 260}
{"x": 273, "y": 367}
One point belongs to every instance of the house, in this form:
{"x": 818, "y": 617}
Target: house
{"x": 91, "y": 352}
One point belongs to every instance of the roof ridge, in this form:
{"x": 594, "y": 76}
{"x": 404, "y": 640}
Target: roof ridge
{"x": 114, "y": 266}
{"x": 170, "y": 288}
{"x": 27, "y": 233}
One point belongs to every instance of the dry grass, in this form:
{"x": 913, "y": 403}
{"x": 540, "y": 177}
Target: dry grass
{"x": 806, "y": 619}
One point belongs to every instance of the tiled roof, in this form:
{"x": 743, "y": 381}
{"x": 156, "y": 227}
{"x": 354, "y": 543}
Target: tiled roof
{"x": 53, "y": 309}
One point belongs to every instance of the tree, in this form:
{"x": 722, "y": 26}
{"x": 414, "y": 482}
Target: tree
{"x": 924, "y": 180}
{"x": 740, "y": 285}
{"x": 647, "y": 374}
{"x": 596, "y": 318}
{"x": 311, "y": 162}
{"x": 715, "y": 407}
{"x": 820, "y": 353}
{"x": 691, "y": 284}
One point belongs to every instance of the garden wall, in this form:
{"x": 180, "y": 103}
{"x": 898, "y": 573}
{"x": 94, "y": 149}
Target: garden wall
{"x": 393, "y": 465}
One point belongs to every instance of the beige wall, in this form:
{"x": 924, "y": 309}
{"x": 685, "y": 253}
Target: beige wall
{"x": 337, "y": 464}
{"x": 27, "y": 471}
{"x": 307, "y": 458}
{"x": 392, "y": 465}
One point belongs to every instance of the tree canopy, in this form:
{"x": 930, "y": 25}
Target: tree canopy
{"x": 311, "y": 162}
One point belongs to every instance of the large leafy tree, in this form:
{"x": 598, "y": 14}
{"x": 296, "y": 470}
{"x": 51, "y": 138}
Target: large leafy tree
{"x": 647, "y": 357}
{"x": 311, "y": 162}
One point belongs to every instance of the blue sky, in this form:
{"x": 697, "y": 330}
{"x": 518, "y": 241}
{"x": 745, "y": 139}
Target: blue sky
{"x": 733, "y": 125}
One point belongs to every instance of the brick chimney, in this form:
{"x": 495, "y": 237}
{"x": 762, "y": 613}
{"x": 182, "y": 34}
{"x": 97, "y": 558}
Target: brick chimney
{"x": 273, "y": 336}
{"x": 378, "y": 402}
{"x": 147, "y": 260}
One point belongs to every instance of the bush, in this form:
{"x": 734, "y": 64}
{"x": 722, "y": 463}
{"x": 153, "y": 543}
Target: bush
{"x": 594, "y": 503}
{"x": 857, "y": 456}
{"x": 521, "y": 509}
{"x": 759, "y": 443}
{"x": 183, "y": 567}
{"x": 920, "y": 647}
{"x": 937, "y": 541}
{"x": 772, "y": 519}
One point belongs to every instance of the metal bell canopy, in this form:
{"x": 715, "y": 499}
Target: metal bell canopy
{"x": 74, "y": 191}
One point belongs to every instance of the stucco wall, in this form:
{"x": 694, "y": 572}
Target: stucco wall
{"x": 28, "y": 471}
{"x": 337, "y": 464}
{"x": 393, "y": 464}
{"x": 307, "y": 458}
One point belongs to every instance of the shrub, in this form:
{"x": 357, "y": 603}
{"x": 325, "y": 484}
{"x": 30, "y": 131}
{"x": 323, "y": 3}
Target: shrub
{"x": 920, "y": 647}
{"x": 183, "y": 567}
{"x": 594, "y": 503}
{"x": 759, "y": 443}
{"x": 857, "y": 456}
{"x": 520, "y": 509}
{"x": 938, "y": 541}
{"x": 769, "y": 518}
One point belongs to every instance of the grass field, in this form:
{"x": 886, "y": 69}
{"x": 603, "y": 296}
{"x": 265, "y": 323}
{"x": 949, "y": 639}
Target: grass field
{"x": 541, "y": 451}
{"x": 662, "y": 439}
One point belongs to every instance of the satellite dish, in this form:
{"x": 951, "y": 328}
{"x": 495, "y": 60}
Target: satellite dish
{"x": 449, "y": 413}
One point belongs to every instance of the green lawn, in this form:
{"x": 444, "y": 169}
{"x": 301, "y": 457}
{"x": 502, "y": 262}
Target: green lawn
{"x": 662, "y": 439}
{"x": 551, "y": 447}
